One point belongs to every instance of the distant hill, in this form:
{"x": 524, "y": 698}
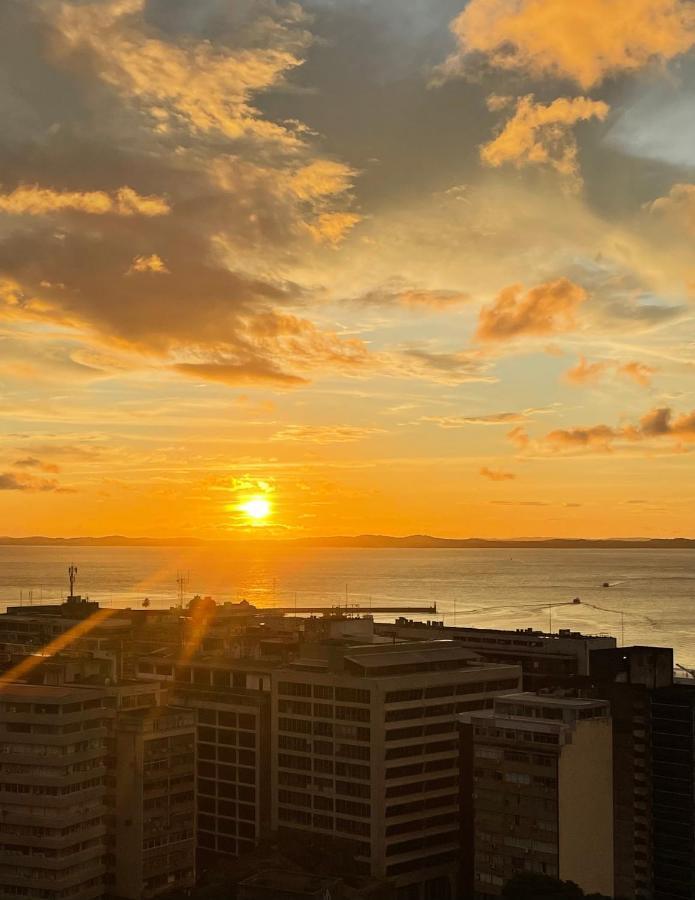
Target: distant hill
{"x": 368, "y": 541}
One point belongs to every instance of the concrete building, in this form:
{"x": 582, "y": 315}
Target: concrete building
{"x": 540, "y": 654}
{"x": 365, "y": 748}
{"x": 52, "y": 765}
{"x": 233, "y": 768}
{"x": 537, "y": 793}
{"x": 154, "y": 828}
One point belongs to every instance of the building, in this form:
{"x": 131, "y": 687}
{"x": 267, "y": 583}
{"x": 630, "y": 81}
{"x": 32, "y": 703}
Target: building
{"x": 365, "y": 748}
{"x": 233, "y": 766}
{"x": 673, "y": 775}
{"x": 154, "y": 827}
{"x": 540, "y": 654}
{"x": 52, "y": 794}
{"x": 537, "y": 793}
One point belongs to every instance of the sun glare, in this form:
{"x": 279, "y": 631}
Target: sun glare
{"x": 257, "y": 508}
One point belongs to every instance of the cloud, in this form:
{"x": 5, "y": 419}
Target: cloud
{"x": 494, "y": 419}
{"x": 396, "y": 293}
{"x": 654, "y": 425}
{"x": 32, "y": 200}
{"x": 549, "y": 308}
{"x": 541, "y": 135}
{"x": 437, "y": 366}
{"x": 198, "y": 85}
{"x": 496, "y": 475}
{"x": 678, "y": 206}
{"x": 585, "y": 372}
{"x": 30, "y": 462}
{"x": 332, "y": 228}
{"x": 153, "y": 263}
{"x": 520, "y": 503}
{"x": 638, "y": 372}
{"x": 234, "y": 374}
{"x": 584, "y": 42}
{"x": 590, "y": 373}
{"x": 324, "y": 434}
{"x": 9, "y": 481}
{"x": 519, "y": 437}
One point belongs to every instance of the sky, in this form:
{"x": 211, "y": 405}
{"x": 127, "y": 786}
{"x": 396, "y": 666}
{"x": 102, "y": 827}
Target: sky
{"x": 282, "y": 269}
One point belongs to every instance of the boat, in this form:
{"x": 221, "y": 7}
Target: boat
{"x": 576, "y": 600}
{"x": 606, "y": 584}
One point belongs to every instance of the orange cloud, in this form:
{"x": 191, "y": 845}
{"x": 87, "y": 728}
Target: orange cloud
{"x": 638, "y": 372}
{"x": 321, "y": 178}
{"x": 32, "y": 200}
{"x": 589, "y": 373}
{"x": 495, "y": 475}
{"x": 539, "y": 134}
{"x": 585, "y": 372}
{"x": 546, "y": 309}
{"x": 332, "y": 227}
{"x": 585, "y": 41}
{"x": 153, "y": 263}
{"x": 237, "y": 373}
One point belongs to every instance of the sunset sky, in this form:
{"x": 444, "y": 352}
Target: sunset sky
{"x": 286, "y": 269}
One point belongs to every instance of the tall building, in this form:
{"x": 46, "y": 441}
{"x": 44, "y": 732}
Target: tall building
{"x": 233, "y": 763}
{"x": 629, "y": 678}
{"x": 365, "y": 749}
{"x": 52, "y": 766}
{"x": 537, "y": 793}
{"x": 154, "y": 833}
{"x": 673, "y": 774}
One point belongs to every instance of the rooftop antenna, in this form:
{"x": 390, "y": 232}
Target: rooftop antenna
{"x": 182, "y": 581}
{"x": 72, "y": 575}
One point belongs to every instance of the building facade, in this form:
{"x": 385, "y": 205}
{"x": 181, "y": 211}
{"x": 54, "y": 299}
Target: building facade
{"x": 537, "y": 793}
{"x": 365, "y": 749}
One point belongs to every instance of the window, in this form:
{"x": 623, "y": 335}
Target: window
{"x": 294, "y": 689}
{"x": 352, "y": 695}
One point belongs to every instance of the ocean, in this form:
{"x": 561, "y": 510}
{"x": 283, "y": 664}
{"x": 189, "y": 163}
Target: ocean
{"x": 650, "y": 598}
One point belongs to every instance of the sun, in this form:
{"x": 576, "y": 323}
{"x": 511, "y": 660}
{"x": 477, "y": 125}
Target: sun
{"x": 257, "y": 508}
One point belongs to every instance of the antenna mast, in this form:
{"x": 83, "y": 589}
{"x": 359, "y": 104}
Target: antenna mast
{"x": 181, "y": 581}
{"x": 72, "y": 575}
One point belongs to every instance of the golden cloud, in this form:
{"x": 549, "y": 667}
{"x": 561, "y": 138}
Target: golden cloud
{"x": 154, "y": 264}
{"x": 332, "y": 227}
{"x": 32, "y": 200}
{"x": 541, "y": 134}
{"x": 584, "y": 41}
{"x": 194, "y": 84}
{"x": 546, "y": 309}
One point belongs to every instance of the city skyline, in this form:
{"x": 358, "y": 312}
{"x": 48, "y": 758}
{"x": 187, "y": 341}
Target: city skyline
{"x": 289, "y": 269}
